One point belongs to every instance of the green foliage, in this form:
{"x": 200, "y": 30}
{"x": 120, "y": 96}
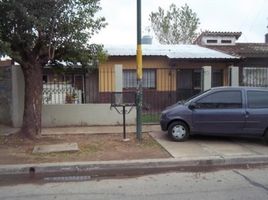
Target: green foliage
{"x": 175, "y": 26}
{"x": 50, "y": 31}
{"x": 151, "y": 118}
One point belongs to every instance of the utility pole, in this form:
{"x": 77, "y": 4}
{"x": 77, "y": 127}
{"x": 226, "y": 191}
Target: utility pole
{"x": 139, "y": 74}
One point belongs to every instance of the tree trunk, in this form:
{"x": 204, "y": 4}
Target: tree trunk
{"x": 31, "y": 126}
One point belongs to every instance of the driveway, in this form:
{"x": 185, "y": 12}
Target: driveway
{"x": 205, "y": 146}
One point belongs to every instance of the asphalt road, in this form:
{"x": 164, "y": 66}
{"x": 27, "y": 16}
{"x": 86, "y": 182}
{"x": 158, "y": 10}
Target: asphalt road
{"x": 226, "y": 184}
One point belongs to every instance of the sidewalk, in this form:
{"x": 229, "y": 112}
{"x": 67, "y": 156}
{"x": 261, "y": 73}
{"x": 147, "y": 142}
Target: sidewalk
{"x": 196, "y": 153}
{"x": 6, "y": 130}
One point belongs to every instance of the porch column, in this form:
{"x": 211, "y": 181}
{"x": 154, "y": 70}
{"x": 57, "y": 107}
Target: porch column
{"x": 233, "y": 76}
{"x": 206, "y": 78}
{"x": 118, "y": 69}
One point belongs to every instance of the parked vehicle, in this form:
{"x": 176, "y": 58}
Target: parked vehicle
{"x": 230, "y": 111}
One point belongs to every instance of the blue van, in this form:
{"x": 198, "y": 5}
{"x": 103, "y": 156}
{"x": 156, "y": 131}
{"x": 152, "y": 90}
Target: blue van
{"x": 229, "y": 111}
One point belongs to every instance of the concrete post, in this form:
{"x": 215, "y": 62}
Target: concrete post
{"x": 233, "y": 76}
{"x": 18, "y": 86}
{"x": 206, "y": 78}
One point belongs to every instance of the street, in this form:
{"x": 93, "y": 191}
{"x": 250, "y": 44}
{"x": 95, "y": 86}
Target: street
{"x": 226, "y": 184}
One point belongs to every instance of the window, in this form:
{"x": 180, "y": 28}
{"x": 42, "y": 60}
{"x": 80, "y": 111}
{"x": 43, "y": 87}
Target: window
{"x": 197, "y": 79}
{"x": 257, "y": 99}
{"x": 45, "y": 78}
{"x": 217, "y": 77}
{"x": 69, "y": 78}
{"x": 148, "y": 78}
{"x": 212, "y": 41}
{"x": 58, "y": 78}
{"x": 221, "y": 100}
{"x": 226, "y": 41}
{"x": 255, "y": 76}
{"x": 79, "y": 82}
{"x": 129, "y": 79}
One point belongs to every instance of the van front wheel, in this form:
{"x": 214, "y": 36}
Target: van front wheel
{"x": 178, "y": 131}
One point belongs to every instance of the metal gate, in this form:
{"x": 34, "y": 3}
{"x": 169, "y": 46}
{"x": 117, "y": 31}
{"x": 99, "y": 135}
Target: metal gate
{"x": 169, "y": 90}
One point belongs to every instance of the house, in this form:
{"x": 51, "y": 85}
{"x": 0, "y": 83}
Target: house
{"x": 253, "y": 62}
{"x": 170, "y": 72}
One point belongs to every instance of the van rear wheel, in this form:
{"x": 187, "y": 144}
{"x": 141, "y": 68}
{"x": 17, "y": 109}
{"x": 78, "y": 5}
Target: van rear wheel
{"x": 178, "y": 131}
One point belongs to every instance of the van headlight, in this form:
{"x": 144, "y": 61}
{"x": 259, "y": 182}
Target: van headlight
{"x": 163, "y": 116}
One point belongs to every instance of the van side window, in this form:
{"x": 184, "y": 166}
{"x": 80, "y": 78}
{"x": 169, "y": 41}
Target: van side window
{"x": 257, "y": 99}
{"x": 221, "y": 100}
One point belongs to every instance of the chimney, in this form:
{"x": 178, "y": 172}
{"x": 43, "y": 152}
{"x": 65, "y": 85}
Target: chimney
{"x": 266, "y": 38}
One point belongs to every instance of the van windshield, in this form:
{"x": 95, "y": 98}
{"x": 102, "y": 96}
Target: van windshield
{"x": 192, "y": 97}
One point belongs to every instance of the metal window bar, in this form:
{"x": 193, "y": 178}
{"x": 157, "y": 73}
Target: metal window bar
{"x": 255, "y": 77}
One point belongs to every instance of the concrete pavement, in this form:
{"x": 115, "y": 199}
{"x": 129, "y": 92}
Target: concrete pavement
{"x": 196, "y": 153}
{"x": 204, "y": 146}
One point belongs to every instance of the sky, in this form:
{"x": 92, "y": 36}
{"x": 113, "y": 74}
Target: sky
{"x": 247, "y": 16}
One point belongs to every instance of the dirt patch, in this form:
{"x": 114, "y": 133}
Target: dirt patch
{"x": 15, "y": 150}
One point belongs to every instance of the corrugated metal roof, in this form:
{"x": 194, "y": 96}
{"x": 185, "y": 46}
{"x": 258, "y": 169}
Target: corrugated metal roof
{"x": 171, "y": 51}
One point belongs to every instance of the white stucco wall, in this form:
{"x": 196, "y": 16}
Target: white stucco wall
{"x": 219, "y": 40}
{"x": 234, "y": 76}
{"x": 83, "y": 115}
{"x": 206, "y": 77}
{"x": 18, "y": 88}
{"x": 118, "y": 78}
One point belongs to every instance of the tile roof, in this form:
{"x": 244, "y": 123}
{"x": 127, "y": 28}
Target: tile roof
{"x": 170, "y": 51}
{"x": 251, "y": 50}
{"x": 219, "y": 33}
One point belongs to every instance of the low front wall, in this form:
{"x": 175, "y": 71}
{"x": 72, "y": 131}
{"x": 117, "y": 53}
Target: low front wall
{"x": 83, "y": 115}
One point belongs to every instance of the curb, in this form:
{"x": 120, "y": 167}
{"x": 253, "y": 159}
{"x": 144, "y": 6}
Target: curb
{"x": 131, "y": 167}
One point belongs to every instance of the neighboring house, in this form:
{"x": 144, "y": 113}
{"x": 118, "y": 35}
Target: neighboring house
{"x": 254, "y": 56}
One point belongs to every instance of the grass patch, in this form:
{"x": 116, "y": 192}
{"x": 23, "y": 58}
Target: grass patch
{"x": 151, "y": 118}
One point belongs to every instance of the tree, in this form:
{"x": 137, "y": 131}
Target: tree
{"x": 35, "y": 33}
{"x": 175, "y": 26}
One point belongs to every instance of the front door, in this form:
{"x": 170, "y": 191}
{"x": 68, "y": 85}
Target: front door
{"x": 219, "y": 112}
{"x": 188, "y": 83}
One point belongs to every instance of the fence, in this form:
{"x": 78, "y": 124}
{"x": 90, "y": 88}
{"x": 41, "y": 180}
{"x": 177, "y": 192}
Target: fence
{"x": 160, "y": 90}
{"x": 155, "y": 102}
{"x": 61, "y": 93}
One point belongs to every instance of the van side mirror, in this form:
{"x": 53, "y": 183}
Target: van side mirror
{"x": 192, "y": 106}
